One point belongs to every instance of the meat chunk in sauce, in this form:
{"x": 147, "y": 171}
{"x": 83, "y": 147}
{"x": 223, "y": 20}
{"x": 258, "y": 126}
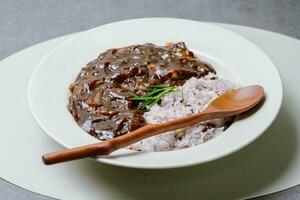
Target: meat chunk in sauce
{"x": 100, "y": 96}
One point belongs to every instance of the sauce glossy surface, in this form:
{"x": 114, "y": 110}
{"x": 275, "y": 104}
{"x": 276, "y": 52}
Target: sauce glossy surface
{"x": 100, "y": 96}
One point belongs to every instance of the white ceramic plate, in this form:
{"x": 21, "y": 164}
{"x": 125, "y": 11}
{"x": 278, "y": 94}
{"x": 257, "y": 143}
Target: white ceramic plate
{"x": 234, "y": 58}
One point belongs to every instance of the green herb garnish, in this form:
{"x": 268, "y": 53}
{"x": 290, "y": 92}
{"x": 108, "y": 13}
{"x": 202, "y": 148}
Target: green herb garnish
{"x": 152, "y": 97}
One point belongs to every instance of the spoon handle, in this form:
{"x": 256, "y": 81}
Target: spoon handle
{"x": 108, "y": 146}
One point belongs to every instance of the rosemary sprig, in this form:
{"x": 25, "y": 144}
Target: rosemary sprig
{"x": 152, "y": 97}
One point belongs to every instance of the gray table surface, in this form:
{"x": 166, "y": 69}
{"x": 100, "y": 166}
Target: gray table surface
{"x": 27, "y": 22}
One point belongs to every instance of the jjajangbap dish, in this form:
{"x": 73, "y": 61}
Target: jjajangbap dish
{"x": 126, "y": 88}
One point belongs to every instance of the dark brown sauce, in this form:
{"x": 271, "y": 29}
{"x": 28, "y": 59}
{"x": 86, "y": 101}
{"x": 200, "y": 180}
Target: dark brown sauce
{"x": 100, "y": 96}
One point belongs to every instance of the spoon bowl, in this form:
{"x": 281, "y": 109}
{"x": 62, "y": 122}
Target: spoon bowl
{"x": 237, "y": 101}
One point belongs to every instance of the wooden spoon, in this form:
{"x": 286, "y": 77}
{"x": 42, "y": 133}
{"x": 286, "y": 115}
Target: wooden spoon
{"x": 231, "y": 103}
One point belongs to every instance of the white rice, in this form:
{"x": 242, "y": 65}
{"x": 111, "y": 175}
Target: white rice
{"x": 190, "y": 98}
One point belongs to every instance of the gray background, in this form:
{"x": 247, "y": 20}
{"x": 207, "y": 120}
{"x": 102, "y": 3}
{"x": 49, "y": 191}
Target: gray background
{"x": 27, "y": 22}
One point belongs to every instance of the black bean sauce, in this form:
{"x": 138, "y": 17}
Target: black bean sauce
{"x": 100, "y": 96}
